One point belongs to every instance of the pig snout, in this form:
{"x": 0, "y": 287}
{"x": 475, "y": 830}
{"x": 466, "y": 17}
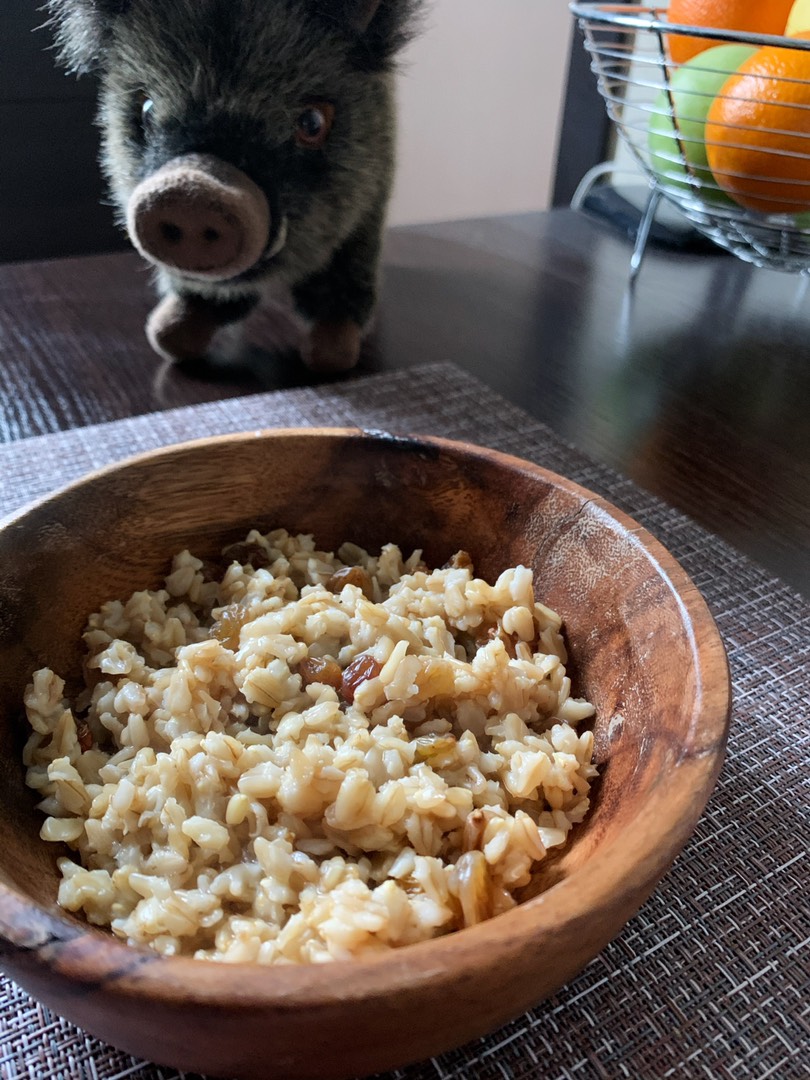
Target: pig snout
{"x": 200, "y": 216}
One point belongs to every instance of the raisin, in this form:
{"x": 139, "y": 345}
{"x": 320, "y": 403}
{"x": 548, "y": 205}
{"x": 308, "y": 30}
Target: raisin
{"x": 84, "y": 735}
{"x": 460, "y": 561}
{"x": 490, "y": 633}
{"x": 229, "y": 625}
{"x": 487, "y": 633}
{"x": 360, "y": 670}
{"x": 320, "y": 669}
{"x": 211, "y": 571}
{"x": 439, "y": 751}
{"x": 351, "y": 575}
{"x": 251, "y": 553}
{"x": 510, "y": 642}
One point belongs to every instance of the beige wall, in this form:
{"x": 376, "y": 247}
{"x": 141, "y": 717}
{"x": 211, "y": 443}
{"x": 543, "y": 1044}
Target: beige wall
{"x": 480, "y": 96}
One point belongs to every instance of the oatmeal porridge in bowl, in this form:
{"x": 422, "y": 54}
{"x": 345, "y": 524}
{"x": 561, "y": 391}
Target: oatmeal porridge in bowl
{"x": 373, "y": 722}
{"x": 311, "y": 756}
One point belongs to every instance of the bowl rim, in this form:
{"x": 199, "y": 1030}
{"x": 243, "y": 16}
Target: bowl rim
{"x": 648, "y": 846}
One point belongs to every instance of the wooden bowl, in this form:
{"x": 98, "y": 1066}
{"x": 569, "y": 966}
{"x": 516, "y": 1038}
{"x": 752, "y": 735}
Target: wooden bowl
{"x": 644, "y": 649}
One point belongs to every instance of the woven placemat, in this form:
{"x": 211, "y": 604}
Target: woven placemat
{"x": 710, "y": 979}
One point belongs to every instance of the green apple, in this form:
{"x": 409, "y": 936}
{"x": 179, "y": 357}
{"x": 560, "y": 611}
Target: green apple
{"x": 678, "y": 122}
{"x": 799, "y": 18}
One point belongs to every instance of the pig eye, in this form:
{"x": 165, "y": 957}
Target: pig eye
{"x": 314, "y": 124}
{"x": 143, "y": 111}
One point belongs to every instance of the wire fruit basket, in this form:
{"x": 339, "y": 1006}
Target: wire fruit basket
{"x": 660, "y": 110}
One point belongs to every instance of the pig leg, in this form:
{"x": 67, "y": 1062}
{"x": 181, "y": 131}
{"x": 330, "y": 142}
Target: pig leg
{"x": 183, "y": 325}
{"x": 339, "y": 300}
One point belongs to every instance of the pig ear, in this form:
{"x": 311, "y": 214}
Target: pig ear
{"x": 359, "y": 13}
{"x": 381, "y": 27}
{"x": 82, "y": 28}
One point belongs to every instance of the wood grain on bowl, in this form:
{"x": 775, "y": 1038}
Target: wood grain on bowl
{"x": 643, "y": 646}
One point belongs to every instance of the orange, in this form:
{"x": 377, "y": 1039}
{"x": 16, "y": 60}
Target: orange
{"x": 758, "y": 132}
{"x": 754, "y": 16}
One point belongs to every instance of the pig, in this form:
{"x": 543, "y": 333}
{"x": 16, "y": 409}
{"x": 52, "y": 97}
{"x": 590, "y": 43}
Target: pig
{"x": 248, "y": 146}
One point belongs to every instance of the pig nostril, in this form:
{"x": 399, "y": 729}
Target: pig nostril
{"x": 211, "y": 236}
{"x": 171, "y": 233}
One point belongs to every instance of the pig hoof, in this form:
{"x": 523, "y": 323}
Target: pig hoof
{"x": 332, "y": 346}
{"x": 179, "y": 332}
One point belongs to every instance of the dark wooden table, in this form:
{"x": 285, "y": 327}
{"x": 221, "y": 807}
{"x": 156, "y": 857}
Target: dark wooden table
{"x": 697, "y": 385}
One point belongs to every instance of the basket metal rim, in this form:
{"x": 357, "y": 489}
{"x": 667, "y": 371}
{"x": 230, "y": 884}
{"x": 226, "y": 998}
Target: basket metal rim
{"x": 644, "y": 17}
